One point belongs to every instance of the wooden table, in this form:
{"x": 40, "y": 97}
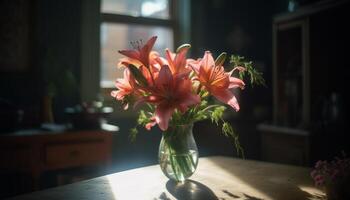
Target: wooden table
{"x": 219, "y": 178}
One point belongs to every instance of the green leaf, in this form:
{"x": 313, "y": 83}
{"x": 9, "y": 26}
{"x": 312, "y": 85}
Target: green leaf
{"x": 133, "y": 134}
{"x": 227, "y": 130}
{"x": 217, "y": 114}
{"x": 220, "y": 59}
{"x": 256, "y": 77}
{"x": 138, "y": 75}
{"x": 143, "y": 119}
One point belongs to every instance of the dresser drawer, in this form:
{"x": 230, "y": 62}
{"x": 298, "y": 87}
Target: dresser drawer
{"x": 15, "y": 157}
{"x": 75, "y": 154}
{"x": 285, "y": 148}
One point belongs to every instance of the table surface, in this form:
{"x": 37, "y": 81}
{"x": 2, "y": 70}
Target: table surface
{"x": 217, "y": 178}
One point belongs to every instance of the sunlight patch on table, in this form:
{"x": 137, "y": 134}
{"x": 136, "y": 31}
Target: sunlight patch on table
{"x": 122, "y": 182}
{"x": 240, "y": 188}
{"x": 315, "y": 193}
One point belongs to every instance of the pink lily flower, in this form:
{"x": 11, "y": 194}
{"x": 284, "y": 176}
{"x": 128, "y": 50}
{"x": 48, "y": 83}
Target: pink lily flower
{"x": 125, "y": 85}
{"x": 170, "y": 93}
{"x": 216, "y": 80}
{"x": 140, "y": 55}
{"x": 177, "y": 62}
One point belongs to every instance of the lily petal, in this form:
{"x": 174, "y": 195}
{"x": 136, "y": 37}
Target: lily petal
{"x": 150, "y": 124}
{"x": 189, "y": 101}
{"x": 114, "y": 93}
{"x": 145, "y": 51}
{"x": 125, "y": 62}
{"x": 142, "y": 54}
{"x": 208, "y": 62}
{"x": 139, "y": 102}
{"x": 162, "y": 115}
{"x": 180, "y": 59}
{"x": 236, "y": 82}
{"x": 165, "y": 77}
{"x": 177, "y": 62}
{"x": 131, "y": 54}
{"x": 226, "y": 96}
{"x": 194, "y": 64}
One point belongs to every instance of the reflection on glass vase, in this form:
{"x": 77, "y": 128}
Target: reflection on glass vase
{"x": 178, "y": 153}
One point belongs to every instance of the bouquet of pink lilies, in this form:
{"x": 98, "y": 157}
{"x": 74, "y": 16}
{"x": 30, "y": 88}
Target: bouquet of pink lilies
{"x": 176, "y": 89}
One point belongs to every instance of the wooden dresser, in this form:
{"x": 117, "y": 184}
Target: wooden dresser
{"x": 35, "y": 153}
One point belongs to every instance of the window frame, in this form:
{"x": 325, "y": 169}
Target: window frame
{"x": 171, "y": 23}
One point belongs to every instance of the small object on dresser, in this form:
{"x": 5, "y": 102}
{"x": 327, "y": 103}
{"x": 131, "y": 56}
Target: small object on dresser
{"x": 88, "y": 115}
{"x": 10, "y": 116}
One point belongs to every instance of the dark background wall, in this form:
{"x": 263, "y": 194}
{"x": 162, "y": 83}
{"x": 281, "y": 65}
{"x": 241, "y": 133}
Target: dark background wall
{"x": 54, "y": 46}
{"x": 59, "y": 41}
{"x": 242, "y": 28}
{"x": 24, "y": 87}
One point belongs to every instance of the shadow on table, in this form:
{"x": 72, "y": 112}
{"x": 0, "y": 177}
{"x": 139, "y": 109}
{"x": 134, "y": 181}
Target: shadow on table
{"x": 278, "y": 179}
{"x": 234, "y": 196}
{"x": 191, "y": 190}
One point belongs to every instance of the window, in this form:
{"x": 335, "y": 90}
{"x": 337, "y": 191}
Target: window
{"x": 124, "y": 21}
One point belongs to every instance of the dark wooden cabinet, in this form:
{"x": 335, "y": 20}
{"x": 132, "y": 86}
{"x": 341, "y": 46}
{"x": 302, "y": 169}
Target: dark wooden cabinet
{"x": 310, "y": 60}
{"x": 32, "y": 155}
{"x": 285, "y": 145}
{"x": 291, "y": 73}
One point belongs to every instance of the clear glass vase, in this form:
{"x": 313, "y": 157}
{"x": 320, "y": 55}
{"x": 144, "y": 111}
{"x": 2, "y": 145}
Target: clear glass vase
{"x": 178, "y": 153}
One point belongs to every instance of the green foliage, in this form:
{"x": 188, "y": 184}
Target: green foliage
{"x": 220, "y": 59}
{"x": 227, "y": 130}
{"x": 217, "y": 114}
{"x": 198, "y": 113}
{"x": 255, "y": 76}
{"x": 133, "y": 134}
{"x": 142, "y": 120}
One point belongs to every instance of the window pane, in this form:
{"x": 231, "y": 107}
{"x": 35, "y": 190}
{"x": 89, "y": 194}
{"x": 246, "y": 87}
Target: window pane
{"x": 116, "y": 37}
{"x": 144, "y": 8}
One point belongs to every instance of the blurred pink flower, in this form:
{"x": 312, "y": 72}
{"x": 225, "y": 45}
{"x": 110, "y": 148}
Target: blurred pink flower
{"x": 125, "y": 85}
